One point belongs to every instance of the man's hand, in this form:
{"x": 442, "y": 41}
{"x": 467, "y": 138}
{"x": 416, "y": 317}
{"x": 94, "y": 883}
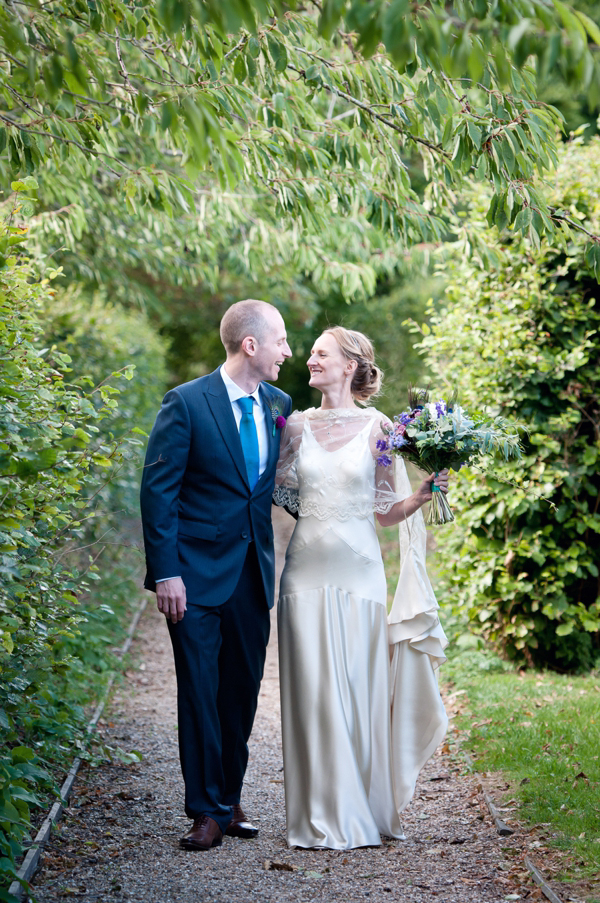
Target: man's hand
{"x": 171, "y": 598}
{"x": 425, "y": 492}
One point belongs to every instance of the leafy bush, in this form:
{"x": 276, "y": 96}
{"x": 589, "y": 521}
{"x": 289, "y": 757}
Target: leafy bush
{"x": 524, "y": 339}
{"x": 102, "y": 338}
{"x": 61, "y": 440}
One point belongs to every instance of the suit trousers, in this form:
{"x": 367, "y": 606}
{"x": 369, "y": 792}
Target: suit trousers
{"x": 219, "y": 654}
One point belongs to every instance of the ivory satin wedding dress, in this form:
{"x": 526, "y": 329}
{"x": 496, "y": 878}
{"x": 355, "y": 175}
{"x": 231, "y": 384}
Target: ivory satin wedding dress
{"x": 360, "y": 705}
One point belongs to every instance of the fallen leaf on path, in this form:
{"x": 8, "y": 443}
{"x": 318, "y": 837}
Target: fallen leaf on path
{"x": 272, "y": 866}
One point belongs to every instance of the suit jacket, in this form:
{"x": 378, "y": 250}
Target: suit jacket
{"x": 198, "y": 511}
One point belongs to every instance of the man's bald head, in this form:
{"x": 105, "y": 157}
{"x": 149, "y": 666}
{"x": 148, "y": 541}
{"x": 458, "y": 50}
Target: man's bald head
{"x": 246, "y": 318}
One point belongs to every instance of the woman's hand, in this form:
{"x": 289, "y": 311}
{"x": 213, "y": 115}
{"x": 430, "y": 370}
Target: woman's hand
{"x": 425, "y": 492}
{"x": 407, "y": 507}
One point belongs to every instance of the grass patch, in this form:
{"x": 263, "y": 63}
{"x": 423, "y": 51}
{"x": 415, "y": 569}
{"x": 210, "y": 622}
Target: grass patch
{"x": 542, "y": 731}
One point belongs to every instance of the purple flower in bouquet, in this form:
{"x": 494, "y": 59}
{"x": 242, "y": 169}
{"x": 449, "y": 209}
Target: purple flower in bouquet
{"x": 383, "y": 460}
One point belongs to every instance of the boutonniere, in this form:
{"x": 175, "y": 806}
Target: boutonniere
{"x": 277, "y": 417}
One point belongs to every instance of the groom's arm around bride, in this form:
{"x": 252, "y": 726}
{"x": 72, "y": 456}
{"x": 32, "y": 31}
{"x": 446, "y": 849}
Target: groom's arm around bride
{"x": 206, "y": 512}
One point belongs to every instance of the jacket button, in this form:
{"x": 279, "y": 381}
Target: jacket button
{"x": 244, "y": 535}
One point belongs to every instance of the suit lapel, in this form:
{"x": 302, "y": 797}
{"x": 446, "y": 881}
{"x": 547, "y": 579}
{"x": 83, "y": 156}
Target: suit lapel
{"x": 220, "y": 405}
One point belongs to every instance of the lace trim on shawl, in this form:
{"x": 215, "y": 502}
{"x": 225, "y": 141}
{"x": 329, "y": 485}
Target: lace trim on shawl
{"x": 286, "y": 497}
{"x": 290, "y": 499}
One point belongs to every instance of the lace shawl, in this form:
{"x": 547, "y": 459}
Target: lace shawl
{"x": 349, "y": 434}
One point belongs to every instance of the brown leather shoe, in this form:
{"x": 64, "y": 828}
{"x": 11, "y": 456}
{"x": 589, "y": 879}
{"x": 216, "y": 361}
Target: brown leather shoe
{"x": 238, "y": 826}
{"x": 204, "y": 834}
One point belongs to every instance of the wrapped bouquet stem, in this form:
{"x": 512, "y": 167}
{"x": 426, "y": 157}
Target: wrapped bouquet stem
{"x": 440, "y": 511}
{"x": 435, "y": 435}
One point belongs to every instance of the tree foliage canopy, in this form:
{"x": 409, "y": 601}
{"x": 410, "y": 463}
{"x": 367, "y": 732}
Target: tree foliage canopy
{"x": 317, "y": 109}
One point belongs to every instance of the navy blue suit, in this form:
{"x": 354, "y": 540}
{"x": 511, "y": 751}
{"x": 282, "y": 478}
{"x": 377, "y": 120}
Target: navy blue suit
{"x": 202, "y": 522}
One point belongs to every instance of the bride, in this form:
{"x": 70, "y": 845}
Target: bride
{"x": 361, "y": 710}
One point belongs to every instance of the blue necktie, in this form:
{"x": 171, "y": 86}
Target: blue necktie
{"x": 249, "y": 438}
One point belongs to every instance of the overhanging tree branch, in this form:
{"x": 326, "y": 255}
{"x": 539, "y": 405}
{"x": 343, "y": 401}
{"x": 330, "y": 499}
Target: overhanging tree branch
{"x": 373, "y": 113}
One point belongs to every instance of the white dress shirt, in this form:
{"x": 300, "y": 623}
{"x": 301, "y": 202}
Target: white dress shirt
{"x": 260, "y": 419}
{"x": 260, "y": 416}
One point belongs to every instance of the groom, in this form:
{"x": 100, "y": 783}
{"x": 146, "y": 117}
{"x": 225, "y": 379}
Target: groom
{"x": 206, "y": 513}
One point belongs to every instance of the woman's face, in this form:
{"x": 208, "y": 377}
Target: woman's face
{"x": 327, "y": 364}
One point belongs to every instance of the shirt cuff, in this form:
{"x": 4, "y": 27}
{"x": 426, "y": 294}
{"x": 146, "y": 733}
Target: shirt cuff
{"x": 162, "y": 579}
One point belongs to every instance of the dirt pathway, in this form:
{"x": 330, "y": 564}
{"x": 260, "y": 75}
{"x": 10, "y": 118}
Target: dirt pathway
{"x": 119, "y": 840}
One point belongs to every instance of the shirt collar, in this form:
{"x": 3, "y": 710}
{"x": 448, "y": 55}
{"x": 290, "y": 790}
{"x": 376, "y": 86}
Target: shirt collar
{"x": 234, "y": 391}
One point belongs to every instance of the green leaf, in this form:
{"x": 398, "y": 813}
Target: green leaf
{"x": 474, "y": 134}
{"x": 253, "y": 47}
{"x": 22, "y": 754}
{"x": 282, "y": 60}
{"x": 523, "y": 220}
{"x": 565, "y": 629}
{"x": 592, "y": 257}
{"x": 448, "y": 129}
{"x": 491, "y": 214}
{"x": 9, "y": 813}
{"x": 275, "y": 48}
{"x": 251, "y": 65}
{"x": 239, "y": 68}
{"x": 590, "y": 26}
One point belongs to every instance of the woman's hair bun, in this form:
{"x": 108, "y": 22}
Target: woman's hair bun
{"x": 367, "y": 379}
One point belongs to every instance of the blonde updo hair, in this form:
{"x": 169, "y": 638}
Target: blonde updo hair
{"x": 355, "y": 346}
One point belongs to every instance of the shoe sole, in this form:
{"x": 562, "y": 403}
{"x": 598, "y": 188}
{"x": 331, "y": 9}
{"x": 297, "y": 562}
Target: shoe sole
{"x": 245, "y": 835}
{"x": 196, "y": 848}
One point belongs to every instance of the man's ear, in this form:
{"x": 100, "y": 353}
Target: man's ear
{"x": 249, "y": 345}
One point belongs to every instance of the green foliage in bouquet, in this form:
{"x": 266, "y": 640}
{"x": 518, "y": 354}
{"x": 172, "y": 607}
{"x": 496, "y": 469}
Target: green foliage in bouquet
{"x": 524, "y": 339}
{"x": 442, "y": 434}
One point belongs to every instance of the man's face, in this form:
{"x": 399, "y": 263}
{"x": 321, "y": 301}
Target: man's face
{"x": 273, "y": 350}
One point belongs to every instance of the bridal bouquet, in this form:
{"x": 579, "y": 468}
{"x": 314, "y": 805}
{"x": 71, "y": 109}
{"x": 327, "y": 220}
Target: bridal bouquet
{"x": 435, "y": 435}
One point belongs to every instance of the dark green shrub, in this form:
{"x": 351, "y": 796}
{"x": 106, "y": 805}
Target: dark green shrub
{"x": 61, "y": 442}
{"x": 523, "y": 338}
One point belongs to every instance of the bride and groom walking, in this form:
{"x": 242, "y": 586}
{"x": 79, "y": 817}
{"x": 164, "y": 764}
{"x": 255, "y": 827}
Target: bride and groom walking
{"x": 361, "y": 710}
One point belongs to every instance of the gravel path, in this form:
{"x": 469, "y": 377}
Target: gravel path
{"x": 119, "y": 839}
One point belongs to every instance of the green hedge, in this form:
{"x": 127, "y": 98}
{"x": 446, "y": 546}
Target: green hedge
{"x": 520, "y": 332}
{"x": 62, "y": 441}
